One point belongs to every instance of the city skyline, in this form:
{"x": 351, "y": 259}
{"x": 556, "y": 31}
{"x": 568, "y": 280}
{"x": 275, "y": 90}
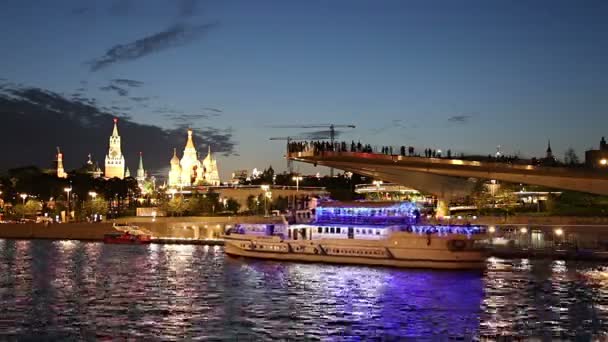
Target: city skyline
{"x": 467, "y": 76}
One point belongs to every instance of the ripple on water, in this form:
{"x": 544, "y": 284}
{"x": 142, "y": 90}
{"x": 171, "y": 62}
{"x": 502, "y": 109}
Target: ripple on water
{"x": 77, "y": 290}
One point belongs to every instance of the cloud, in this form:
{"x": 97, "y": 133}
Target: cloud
{"x": 182, "y": 120}
{"x": 119, "y": 91}
{"x": 167, "y": 110}
{"x": 139, "y": 98}
{"x": 460, "y": 119}
{"x": 81, "y": 127}
{"x": 396, "y": 123}
{"x": 220, "y": 140}
{"x": 174, "y": 36}
{"x": 186, "y": 8}
{"x": 214, "y": 111}
{"x": 127, "y": 82}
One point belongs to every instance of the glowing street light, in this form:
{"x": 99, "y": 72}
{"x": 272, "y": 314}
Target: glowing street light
{"x": 559, "y": 232}
{"x": 491, "y": 229}
{"x": 297, "y": 179}
{"x": 68, "y": 190}
{"x": 267, "y": 194}
{"x": 23, "y": 197}
{"x": 93, "y": 194}
{"x": 603, "y": 162}
{"x": 523, "y": 230}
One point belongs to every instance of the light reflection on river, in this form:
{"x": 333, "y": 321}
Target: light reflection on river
{"x": 82, "y": 290}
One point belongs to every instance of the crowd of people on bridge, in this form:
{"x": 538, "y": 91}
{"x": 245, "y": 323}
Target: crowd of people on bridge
{"x": 405, "y": 151}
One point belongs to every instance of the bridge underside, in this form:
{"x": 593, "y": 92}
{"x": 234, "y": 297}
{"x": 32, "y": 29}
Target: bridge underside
{"x": 447, "y": 178}
{"x": 444, "y": 187}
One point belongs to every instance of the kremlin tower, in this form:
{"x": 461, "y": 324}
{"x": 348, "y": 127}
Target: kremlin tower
{"x": 60, "y": 170}
{"x": 141, "y": 173}
{"x": 115, "y": 161}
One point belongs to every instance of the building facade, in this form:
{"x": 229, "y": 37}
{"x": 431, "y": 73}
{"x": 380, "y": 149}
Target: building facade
{"x": 190, "y": 170}
{"x": 115, "y": 161}
{"x": 597, "y": 158}
{"x": 60, "y": 170}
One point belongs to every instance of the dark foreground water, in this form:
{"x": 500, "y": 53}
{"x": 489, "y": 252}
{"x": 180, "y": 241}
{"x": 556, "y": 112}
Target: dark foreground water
{"x": 66, "y": 290}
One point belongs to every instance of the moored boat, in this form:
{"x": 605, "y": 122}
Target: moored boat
{"x": 127, "y": 238}
{"x": 387, "y": 234}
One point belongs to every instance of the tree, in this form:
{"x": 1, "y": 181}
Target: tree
{"x": 280, "y": 203}
{"x": 233, "y": 205}
{"x": 94, "y": 206}
{"x": 255, "y": 204}
{"x": 570, "y": 157}
{"x": 29, "y": 209}
{"x": 176, "y": 206}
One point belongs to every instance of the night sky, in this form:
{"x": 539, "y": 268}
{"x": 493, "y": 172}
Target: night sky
{"x": 465, "y": 75}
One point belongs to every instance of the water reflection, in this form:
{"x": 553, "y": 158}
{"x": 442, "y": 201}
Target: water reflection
{"x": 78, "y": 290}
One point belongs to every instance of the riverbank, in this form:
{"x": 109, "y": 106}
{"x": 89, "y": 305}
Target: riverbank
{"x": 160, "y": 228}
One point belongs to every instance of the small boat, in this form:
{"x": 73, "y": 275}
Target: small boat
{"x": 127, "y": 239}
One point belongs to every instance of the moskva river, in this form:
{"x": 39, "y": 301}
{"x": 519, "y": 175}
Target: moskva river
{"x": 69, "y": 290}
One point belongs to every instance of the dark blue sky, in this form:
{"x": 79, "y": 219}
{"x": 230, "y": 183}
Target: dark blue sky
{"x": 465, "y": 75}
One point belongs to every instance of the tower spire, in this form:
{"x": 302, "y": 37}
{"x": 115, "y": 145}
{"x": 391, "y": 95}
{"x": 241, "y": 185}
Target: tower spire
{"x": 60, "y": 170}
{"x": 189, "y": 143}
{"x": 115, "y": 131}
{"x": 141, "y": 173}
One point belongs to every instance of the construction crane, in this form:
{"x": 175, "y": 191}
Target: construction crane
{"x": 332, "y": 133}
{"x": 288, "y": 140}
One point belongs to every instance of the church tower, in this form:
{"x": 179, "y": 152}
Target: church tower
{"x": 549, "y": 155}
{"x": 189, "y": 163}
{"x": 115, "y": 161}
{"x": 141, "y": 173}
{"x": 212, "y": 176}
{"x": 60, "y": 170}
{"x": 175, "y": 172}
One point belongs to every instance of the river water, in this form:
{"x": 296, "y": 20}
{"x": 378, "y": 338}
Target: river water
{"x": 70, "y": 290}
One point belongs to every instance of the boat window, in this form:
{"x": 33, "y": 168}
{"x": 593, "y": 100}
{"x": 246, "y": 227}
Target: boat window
{"x": 358, "y": 231}
{"x": 338, "y": 230}
{"x": 320, "y": 230}
{"x": 326, "y": 230}
{"x": 378, "y": 232}
{"x": 332, "y": 230}
{"x": 369, "y": 231}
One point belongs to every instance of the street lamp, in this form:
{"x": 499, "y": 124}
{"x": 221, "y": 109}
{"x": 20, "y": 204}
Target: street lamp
{"x": 297, "y": 179}
{"x": 603, "y": 162}
{"x": 23, "y": 197}
{"x": 93, "y": 194}
{"x": 68, "y": 192}
{"x": 265, "y": 188}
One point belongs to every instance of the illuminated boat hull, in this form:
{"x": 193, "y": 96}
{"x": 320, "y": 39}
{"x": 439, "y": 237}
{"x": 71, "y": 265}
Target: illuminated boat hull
{"x": 127, "y": 239}
{"x": 397, "y": 250}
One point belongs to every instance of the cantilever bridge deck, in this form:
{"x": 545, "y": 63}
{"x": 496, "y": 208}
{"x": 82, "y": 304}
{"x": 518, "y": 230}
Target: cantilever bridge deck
{"x": 411, "y": 171}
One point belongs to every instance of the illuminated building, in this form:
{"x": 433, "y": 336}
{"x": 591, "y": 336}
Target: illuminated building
{"x": 211, "y": 175}
{"x": 141, "y": 172}
{"x": 597, "y": 158}
{"x": 115, "y": 161}
{"x": 60, "y": 170}
{"x": 189, "y": 170}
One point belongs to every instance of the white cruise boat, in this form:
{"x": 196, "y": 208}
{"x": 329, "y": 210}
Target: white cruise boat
{"x": 366, "y": 233}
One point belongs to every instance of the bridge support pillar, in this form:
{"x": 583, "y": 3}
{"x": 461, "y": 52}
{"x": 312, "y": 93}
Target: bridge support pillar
{"x": 442, "y": 208}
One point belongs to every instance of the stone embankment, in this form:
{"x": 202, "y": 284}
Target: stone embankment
{"x": 68, "y": 231}
{"x": 194, "y": 228}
